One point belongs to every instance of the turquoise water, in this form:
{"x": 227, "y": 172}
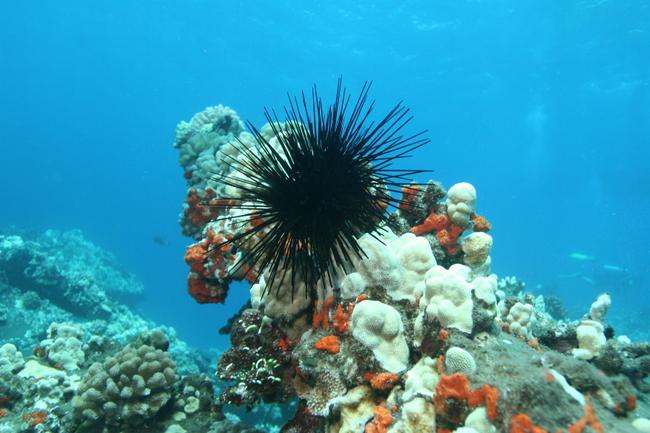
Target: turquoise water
{"x": 543, "y": 105}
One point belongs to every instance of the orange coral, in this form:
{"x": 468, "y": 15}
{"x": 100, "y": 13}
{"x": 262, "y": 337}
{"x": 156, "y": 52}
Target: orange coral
{"x": 521, "y": 423}
{"x": 444, "y": 239}
{"x": 440, "y": 364}
{"x": 454, "y": 231}
{"x": 205, "y": 291}
{"x": 456, "y": 386}
{"x": 381, "y": 381}
{"x": 341, "y": 319}
{"x": 321, "y": 317}
{"x": 630, "y": 402}
{"x": 443, "y": 335}
{"x": 481, "y": 224}
{"x": 380, "y": 422}
{"x": 447, "y": 238}
{"x": 361, "y": 297}
{"x": 200, "y": 211}
{"x": 256, "y": 220}
{"x": 549, "y": 377}
{"x": 194, "y": 257}
{"x": 589, "y": 419}
{"x": 35, "y": 418}
{"x": 285, "y": 344}
{"x": 330, "y": 344}
{"x": 534, "y": 343}
{"x": 408, "y": 196}
{"x": 248, "y": 272}
{"x": 3, "y": 412}
{"x": 433, "y": 222}
{"x": 487, "y": 395}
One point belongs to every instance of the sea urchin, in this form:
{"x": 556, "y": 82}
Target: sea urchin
{"x": 321, "y": 182}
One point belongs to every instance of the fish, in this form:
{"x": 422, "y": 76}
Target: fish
{"x": 614, "y": 268}
{"x": 160, "y": 240}
{"x": 582, "y": 257}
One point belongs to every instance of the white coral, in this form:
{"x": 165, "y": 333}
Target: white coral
{"x": 11, "y": 360}
{"x": 461, "y": 201}
{"x": 379, "y": 327}
{"x": 599, "y": 307}
{"x": 64, "y": 345}
{"x": 519, "y": 319}
{"x": 398, "y": 264}
{"x": 591, "y": 338}
{"x": 476, "y": 247}
{"x": 447, "y": 296}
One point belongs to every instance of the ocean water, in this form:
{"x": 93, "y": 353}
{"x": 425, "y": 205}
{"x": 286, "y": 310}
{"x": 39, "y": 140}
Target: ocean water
{"x": 543, "y": 105}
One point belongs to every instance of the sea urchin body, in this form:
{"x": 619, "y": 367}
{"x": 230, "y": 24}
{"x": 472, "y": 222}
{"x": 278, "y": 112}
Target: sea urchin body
{"x": 324, "y": 179}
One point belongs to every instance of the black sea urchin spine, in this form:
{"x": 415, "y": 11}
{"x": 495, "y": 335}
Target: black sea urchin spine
{"x": 321, "y": 182}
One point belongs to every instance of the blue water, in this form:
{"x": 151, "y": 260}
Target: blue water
{"x": 543, "y": 105}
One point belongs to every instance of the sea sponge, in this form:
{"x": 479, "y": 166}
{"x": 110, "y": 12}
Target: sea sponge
{"x": 127, "y": 389}
{"x": 476, "y": 247}
{"x": 447, "y": 296}
{"x": 379, "y": 327}
{"x": 329, "y": 343}
{"x": 459, "y": 360}
{"x": 461, "y": 201}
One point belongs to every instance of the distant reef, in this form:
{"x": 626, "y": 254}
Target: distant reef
{"x": 75, "y": 358}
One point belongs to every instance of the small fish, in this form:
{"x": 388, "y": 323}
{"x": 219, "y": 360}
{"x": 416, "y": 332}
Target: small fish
{"x": 588, "y": 280}
{"x": 581, "y": 256}
{"x": 614, "y": 268}
{"x": 160, "y": 240}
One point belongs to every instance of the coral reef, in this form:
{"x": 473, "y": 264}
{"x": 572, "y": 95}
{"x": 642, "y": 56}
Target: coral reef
{"x": 417, "y": 335}
{"x": 56, "y": 311}
{"x": 52, "y": 349}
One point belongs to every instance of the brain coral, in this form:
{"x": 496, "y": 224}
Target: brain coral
{"x": 459, "y": 360}
{"x": 126, "y": 389}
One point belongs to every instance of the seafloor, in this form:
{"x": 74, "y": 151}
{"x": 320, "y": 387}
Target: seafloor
{"x": 420, "y": 336}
